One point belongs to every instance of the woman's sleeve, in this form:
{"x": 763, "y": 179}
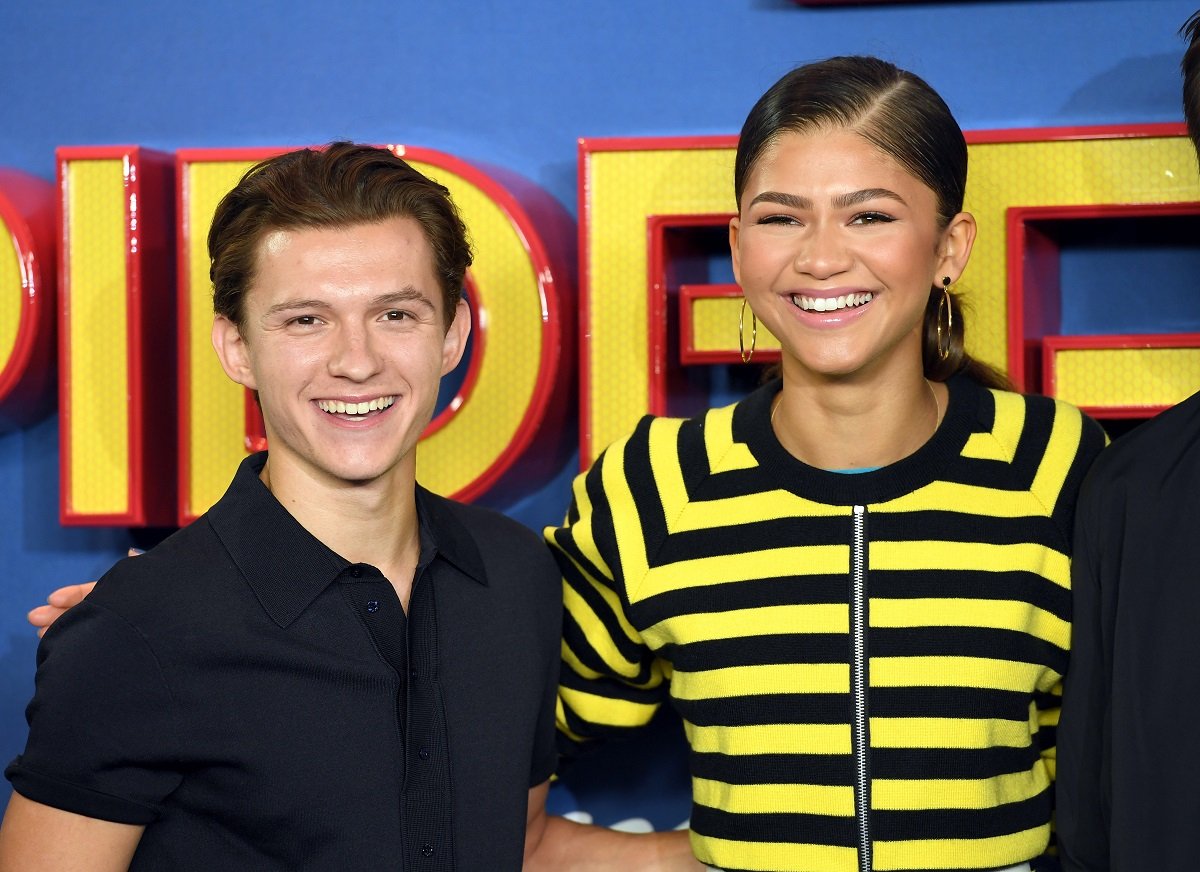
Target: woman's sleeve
{"x": 611, "y": 682}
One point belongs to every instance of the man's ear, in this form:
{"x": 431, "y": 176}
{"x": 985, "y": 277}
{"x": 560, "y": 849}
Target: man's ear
{"x": 454, "y": 344}
{"x": 233, "y": 352}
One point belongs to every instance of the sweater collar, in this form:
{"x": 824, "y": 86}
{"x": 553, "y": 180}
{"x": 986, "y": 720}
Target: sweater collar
{"x": 930, "y": 462}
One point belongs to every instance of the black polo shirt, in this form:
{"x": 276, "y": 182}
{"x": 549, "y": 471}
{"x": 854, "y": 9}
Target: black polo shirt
{"x": 260, "y": 703}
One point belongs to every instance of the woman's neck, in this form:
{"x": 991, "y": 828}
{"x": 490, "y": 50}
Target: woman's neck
{"x": 856, "y": 423}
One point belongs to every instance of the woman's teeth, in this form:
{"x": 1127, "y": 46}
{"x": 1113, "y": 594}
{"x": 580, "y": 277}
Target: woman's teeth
{"x": 830, "y": 304}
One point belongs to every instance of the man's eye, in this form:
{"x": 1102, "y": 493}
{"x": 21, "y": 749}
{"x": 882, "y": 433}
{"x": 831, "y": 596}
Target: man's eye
{"x": 305, "y": 320}
{"x": 396, "y": 315}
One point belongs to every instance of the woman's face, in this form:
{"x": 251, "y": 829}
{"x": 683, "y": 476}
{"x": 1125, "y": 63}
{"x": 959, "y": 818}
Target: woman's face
{"x": 836, "y": 247}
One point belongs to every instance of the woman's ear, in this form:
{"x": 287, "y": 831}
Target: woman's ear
{"x": 735, "y": 228}
{"x": 955, "y": 249}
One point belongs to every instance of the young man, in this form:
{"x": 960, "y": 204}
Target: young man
{"x": 332, "y": 669}
{"x": 1129, "y": 763}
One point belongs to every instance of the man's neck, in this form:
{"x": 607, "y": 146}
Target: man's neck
{"x": 374, "y": 522}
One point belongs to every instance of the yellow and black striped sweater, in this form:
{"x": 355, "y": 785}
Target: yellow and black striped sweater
{"x": 867, "y": 666}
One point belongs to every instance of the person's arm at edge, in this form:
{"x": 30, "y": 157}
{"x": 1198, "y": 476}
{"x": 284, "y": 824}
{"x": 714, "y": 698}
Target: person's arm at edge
{"x": 1083, "y": 732}
{"x": 556, "y": 844}
{"x": 39, "y": 838}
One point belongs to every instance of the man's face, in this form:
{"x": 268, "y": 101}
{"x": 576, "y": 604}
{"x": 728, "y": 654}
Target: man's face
{"x": 344, "y": 340}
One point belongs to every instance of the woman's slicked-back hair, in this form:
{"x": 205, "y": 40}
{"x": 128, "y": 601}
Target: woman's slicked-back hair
{"x": 337, "y": 186}
{"x": 898, "y": 113}
{"x": 891, "y": 108}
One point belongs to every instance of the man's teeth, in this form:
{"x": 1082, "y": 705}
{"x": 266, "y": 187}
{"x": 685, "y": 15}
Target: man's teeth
{"x": 830, "y": 304}
{"x": 337, "y": 407}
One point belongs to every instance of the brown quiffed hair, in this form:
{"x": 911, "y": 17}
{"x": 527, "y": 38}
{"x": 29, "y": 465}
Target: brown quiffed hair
{"x": 898, "y": 113}
{"x": 340, "y": 185}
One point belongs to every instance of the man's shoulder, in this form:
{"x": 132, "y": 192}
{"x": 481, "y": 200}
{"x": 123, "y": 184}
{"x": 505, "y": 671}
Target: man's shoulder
{"x": 480, "y": 521}
{"x": 188, "y": 565}
{"x": 495, "y": 534}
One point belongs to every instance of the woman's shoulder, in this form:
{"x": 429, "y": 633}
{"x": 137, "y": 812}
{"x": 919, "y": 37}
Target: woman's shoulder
{"x": 670, "y": 433}
{"x": 1039, "y": 408}
{"x": 1059, "y": 426}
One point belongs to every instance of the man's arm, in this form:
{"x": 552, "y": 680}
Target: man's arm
{"x": 556, "y": 844}
{"x": 1084, "y": 733}
{"x": 39, "y": 838}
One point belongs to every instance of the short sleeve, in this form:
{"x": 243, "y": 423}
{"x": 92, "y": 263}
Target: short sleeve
{"x": 102, "y": 724}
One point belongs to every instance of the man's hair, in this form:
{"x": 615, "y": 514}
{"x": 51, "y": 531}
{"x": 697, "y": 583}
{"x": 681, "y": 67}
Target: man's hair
{"x": 340, "y": 185}
{"x": 1191, "y": 78}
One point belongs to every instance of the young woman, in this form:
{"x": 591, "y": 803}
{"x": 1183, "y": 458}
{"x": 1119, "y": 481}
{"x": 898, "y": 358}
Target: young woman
{"x": 853, "y": 585}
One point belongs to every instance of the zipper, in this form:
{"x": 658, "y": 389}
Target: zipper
{"x": 858, "y": 688}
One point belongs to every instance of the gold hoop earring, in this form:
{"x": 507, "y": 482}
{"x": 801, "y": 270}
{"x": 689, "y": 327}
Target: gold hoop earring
{"x": 943, "y": 348}
{"x": 746, "y": 355}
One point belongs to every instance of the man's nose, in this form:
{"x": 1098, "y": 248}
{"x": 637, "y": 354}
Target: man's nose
{"x": 355, "y": 354}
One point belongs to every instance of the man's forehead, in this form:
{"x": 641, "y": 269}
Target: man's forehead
{"x": 275, "y": 241}
{"x": 389, "y": 258}
{"x": 396, "y": 244}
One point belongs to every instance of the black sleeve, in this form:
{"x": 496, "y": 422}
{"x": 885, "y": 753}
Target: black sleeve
{"x": 102, "y": 724}
{"x": 1084, "y": 732}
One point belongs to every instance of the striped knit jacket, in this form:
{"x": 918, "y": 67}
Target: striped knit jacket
{"x": 867, "y": 666}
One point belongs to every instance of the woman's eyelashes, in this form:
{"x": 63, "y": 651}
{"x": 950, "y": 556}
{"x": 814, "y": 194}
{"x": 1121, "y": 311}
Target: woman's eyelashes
{"x": 872, "y": 218}
{"x": 859, "y": 219}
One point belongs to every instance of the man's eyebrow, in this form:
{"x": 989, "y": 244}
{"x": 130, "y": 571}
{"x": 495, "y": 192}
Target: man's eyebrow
{"x": 289, "y": 305}
{"x": 842, "y": 201}
{"x": 407, "y": 294}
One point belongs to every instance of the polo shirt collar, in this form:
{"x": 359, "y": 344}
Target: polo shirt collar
{"x": 287, "y": 567}
{"x": 449, "y": 536}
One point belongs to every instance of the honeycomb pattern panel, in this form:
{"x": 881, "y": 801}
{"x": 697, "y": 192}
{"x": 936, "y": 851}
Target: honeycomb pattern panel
{"x": 1114, "y": 377}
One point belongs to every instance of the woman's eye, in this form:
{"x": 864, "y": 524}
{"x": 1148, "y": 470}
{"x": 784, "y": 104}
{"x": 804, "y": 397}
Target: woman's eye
{"x": 777, "y": 219}
{"x": 872, "y": 218}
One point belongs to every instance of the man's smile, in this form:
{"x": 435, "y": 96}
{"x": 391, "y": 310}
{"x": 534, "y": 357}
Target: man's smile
{"x": 356, "y": 410}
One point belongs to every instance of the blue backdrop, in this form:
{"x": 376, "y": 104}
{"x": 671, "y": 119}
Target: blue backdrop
{"x": 516, "y": 85}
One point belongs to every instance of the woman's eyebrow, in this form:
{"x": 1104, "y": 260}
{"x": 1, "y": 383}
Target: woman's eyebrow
{"x": 842, "y": 201}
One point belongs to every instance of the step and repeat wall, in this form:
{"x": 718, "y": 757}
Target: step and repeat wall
{"x": 590, "y": 149}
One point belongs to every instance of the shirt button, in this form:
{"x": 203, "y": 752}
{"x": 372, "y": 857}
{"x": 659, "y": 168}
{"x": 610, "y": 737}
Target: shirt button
{"x": 427, "y": 849}
{"x": 423, "y": 753}
{"x": 412, "y": 673}
{"x": 356, "y": 572}
{"x": 373, "y": 606}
